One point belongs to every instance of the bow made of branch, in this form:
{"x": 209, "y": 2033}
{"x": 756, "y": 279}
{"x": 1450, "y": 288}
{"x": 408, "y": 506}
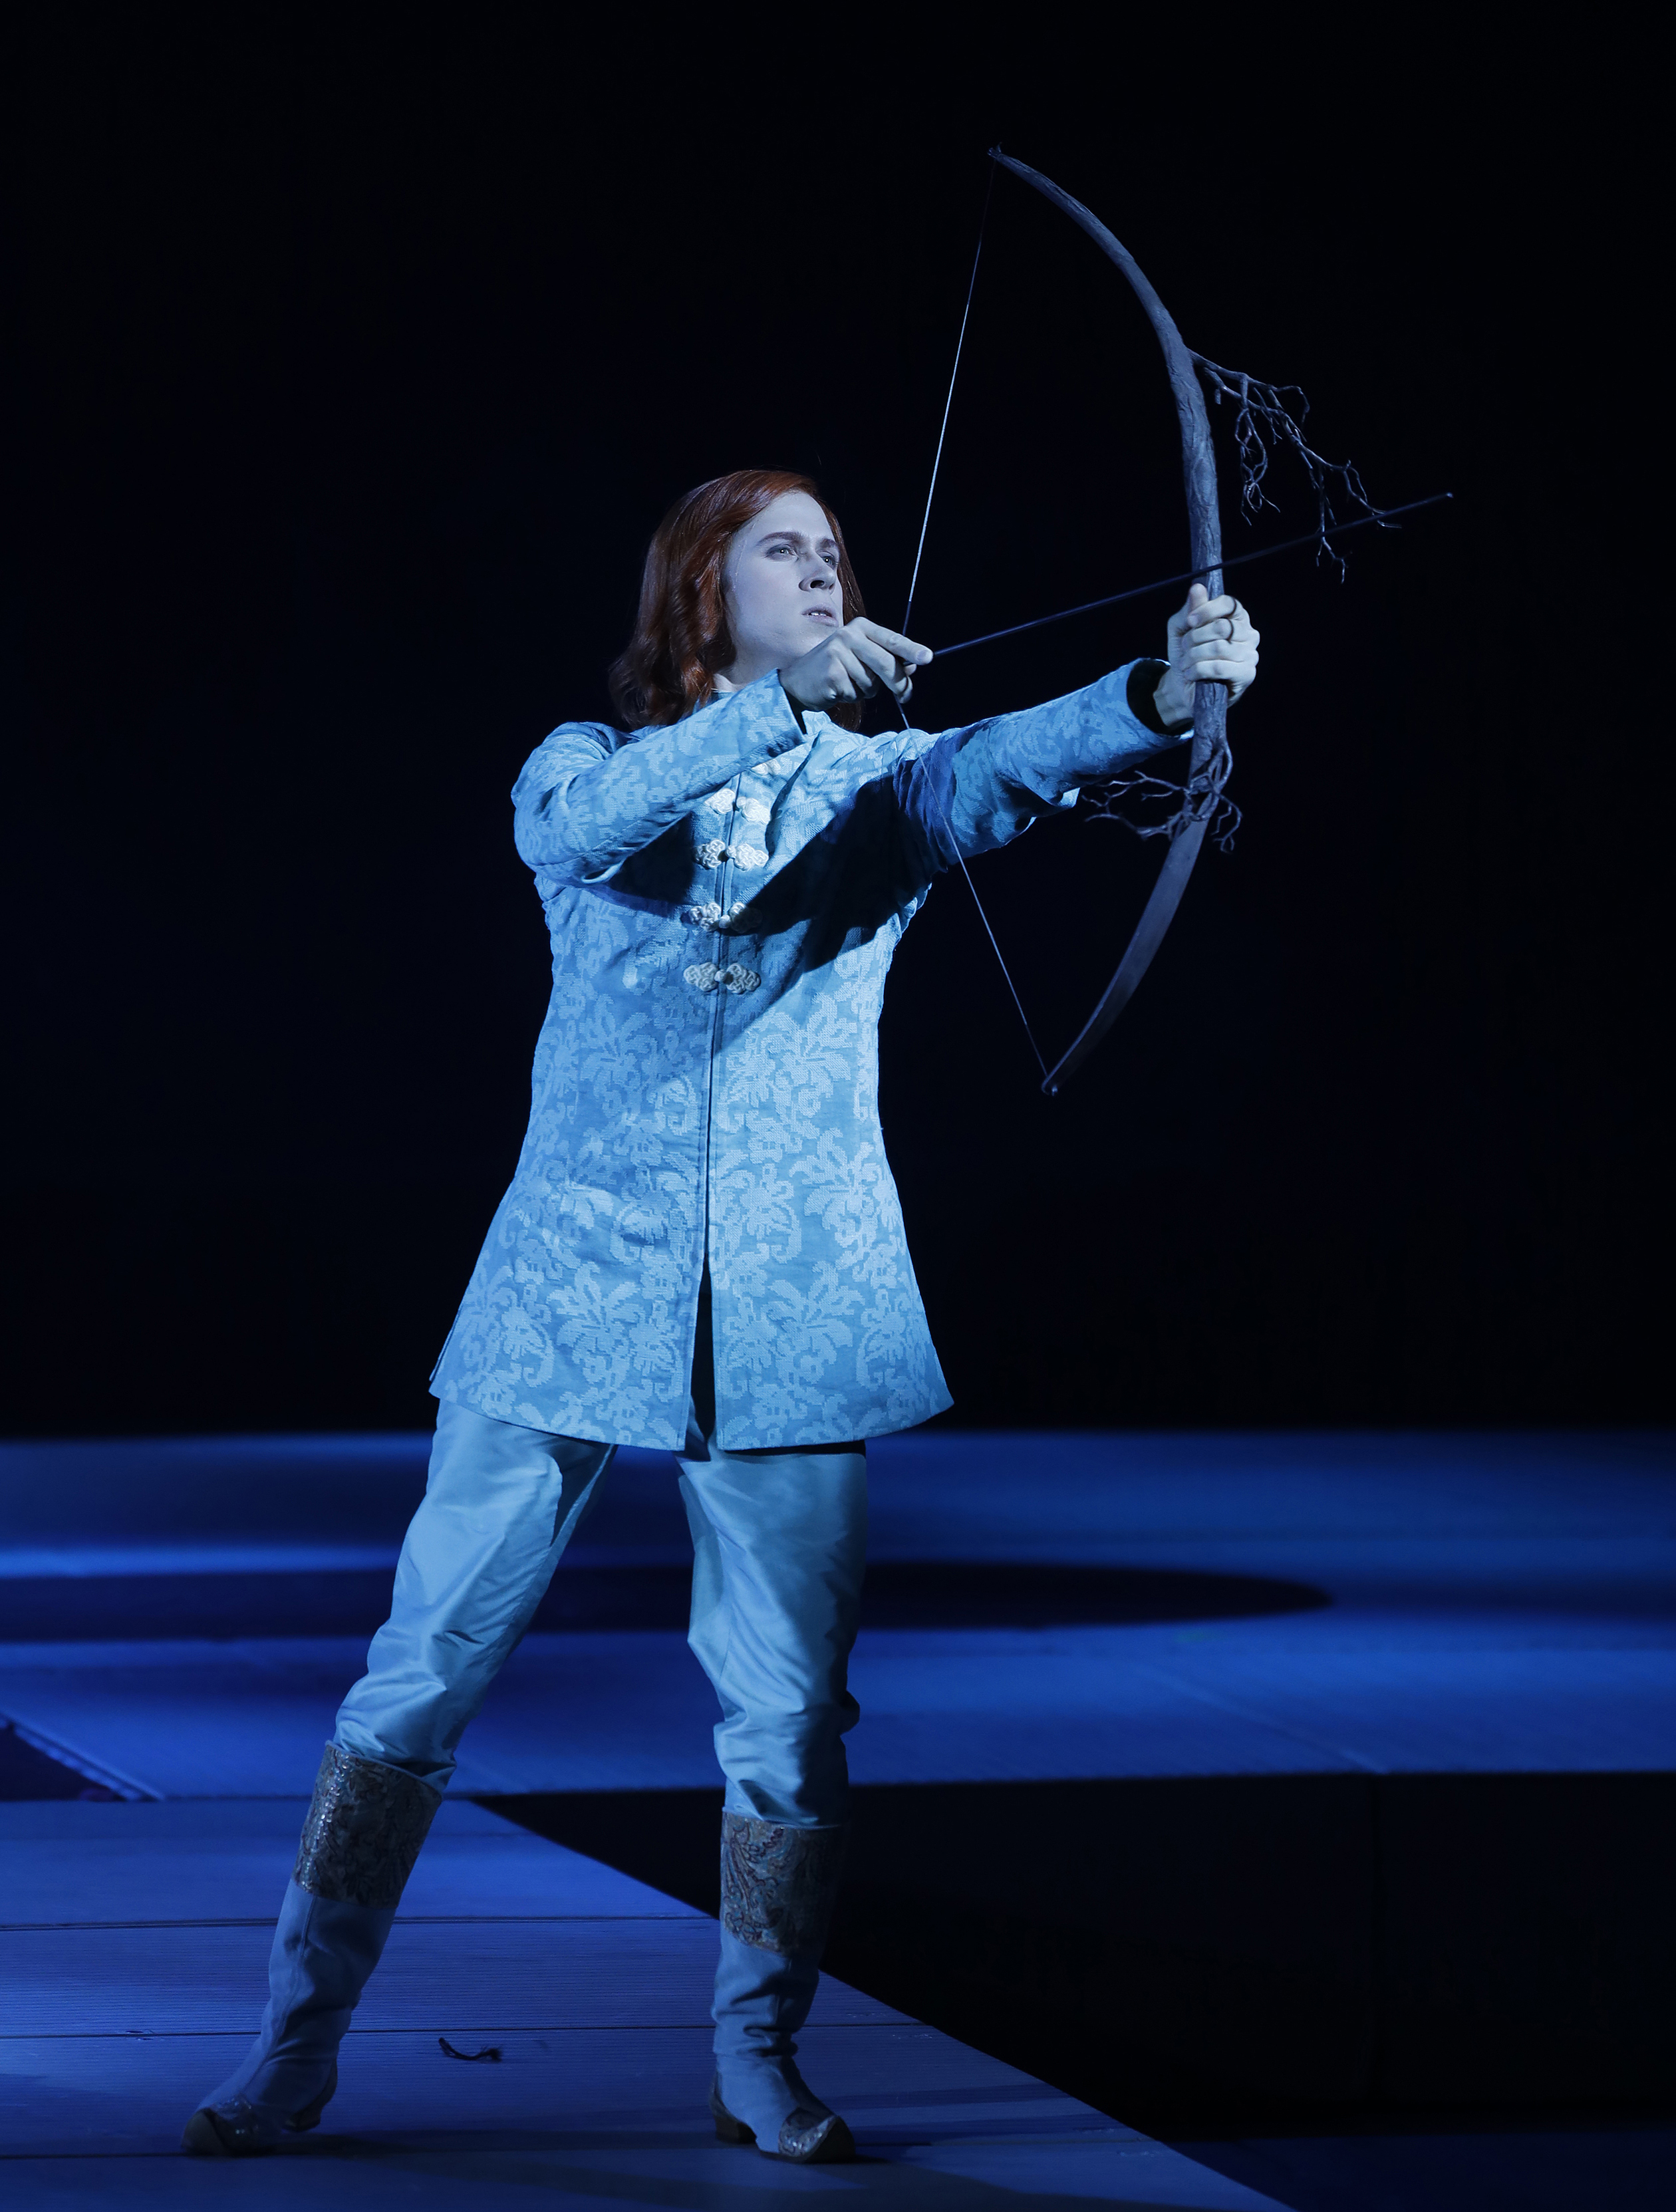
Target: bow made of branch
{"x": 1263, "y": 414}
{"x": 1210, "y": 761}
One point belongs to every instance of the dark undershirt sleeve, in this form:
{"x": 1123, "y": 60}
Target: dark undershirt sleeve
{"x": 1144, "y": 678}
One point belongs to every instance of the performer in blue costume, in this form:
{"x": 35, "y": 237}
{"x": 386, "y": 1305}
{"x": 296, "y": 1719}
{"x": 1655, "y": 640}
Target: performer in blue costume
{"x": 701, "y": 1249}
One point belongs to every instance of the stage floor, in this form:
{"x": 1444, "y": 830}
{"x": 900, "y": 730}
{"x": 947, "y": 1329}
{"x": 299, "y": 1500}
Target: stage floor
{"x": 134, "y": 1947}
{"x": 182, "y": 1618}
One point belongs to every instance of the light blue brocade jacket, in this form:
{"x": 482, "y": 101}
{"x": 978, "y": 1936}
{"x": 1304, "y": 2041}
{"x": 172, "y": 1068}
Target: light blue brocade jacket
{"x": 724, "y": 897}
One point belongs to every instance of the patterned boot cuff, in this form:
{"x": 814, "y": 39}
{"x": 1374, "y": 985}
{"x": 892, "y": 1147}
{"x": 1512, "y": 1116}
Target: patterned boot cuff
{"x": 363, "y": 1830}
{"x": 778, "y": 1884}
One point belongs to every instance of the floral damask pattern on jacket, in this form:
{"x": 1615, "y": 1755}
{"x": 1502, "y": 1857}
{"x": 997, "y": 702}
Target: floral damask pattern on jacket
{"x": 724, "y": 898}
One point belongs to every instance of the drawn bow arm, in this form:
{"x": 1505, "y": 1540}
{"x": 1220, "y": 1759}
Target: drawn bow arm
{"x": 972, "y": 790}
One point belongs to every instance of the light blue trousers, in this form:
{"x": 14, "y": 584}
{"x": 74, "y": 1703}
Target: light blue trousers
{"x": 779, "y": 1546}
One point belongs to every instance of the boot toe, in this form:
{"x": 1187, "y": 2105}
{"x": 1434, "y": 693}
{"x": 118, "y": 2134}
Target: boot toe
{"x": 810, "y": 2134}
{"x": 815, "y": 2139}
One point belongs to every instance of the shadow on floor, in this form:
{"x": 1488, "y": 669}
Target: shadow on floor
{"x": 1347, "y": 1990}
{"x": 899, "y": 1593}
{"x": 29, "y": 1774}
{"x": 1578, "y": 2159}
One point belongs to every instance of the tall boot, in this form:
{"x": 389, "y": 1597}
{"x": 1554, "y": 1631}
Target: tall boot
{"x": 778, "y": 1886}
{"x": 359, "y": 1844}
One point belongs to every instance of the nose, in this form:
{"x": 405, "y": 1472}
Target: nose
{"x": 817, "y": 576}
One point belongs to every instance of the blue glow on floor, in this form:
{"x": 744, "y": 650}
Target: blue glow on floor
{"x": 1435, "y": 1603}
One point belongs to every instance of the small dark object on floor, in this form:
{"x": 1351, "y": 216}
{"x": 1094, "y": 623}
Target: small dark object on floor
{"x": 471, "y": 2057}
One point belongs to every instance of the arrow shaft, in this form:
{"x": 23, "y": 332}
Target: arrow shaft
{"x": 1195, "y": 575}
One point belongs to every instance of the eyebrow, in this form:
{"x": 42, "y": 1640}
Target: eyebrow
{"x": 798, "y": 537}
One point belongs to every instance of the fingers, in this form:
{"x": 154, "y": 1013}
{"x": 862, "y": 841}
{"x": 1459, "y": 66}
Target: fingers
{"x": 1197, "y": 608}
{"x": 1209, "y": 662}
{"x": 864, "y": 667}
{"x": 829, "y": 673}
{"x": 865, "y": 644}
{"x": 1222, "y": 610}
{"x": 1204, "y": 609}
{"x": 842, "y": 668}
{"x": 849, "y": 677}
{"x": 1237, "y": 673}
{"x": 1218, "y": 644}
{"x": 1223, "y": 621}
{"x": 901, "y": 648}
{"x": 871, "y": 656}
{"x": 1213, "y": 642}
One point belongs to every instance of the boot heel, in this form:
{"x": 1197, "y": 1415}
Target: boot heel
{"x": 300, "y": 2122}
{"x": 728, "y": 2129}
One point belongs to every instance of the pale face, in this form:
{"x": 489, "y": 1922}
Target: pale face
{"x": 780, "y": 585}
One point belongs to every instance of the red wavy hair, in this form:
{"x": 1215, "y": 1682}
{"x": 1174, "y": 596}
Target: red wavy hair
{"x": 681, "y": 637}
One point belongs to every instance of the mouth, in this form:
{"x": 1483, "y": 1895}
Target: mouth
{"x": 819, "y": 614}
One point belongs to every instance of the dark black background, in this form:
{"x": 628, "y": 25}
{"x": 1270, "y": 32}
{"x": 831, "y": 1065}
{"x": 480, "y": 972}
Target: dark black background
{"x": 353, "y": 356}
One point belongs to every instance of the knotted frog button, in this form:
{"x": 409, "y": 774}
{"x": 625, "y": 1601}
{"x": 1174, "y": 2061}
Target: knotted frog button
{"x": 738, "y": 978}
{"x": 712, "y": 852}
{"x": 703, "y": 975}
{"x": 750, "y": 856}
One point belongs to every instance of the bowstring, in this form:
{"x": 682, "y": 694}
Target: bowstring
{"x": 948, "y": 403}
{"x": 1001, "y": 958}
{"x": 913, "y": 586}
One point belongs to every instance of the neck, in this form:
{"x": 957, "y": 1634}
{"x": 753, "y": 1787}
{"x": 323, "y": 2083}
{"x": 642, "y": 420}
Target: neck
{"x": 744, "y": 669}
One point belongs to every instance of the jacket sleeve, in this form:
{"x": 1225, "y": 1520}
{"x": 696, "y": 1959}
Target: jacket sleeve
{"x": 973, "y": 789}
{"x": 588, "y": 798}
